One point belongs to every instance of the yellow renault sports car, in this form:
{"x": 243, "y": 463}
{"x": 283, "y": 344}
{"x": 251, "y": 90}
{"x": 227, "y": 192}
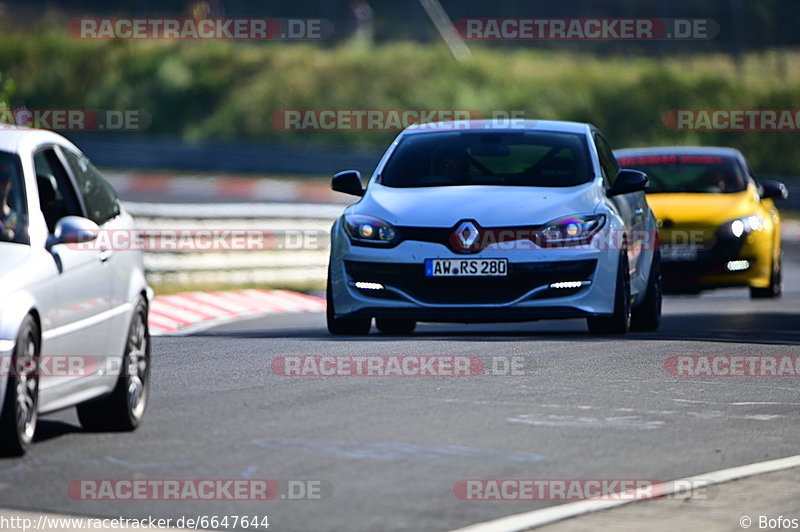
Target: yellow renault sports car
{"x": 718, "y": 226}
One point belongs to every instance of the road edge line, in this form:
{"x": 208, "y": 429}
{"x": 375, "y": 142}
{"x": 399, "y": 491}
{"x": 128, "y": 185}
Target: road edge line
{"x": 536, "y": 518}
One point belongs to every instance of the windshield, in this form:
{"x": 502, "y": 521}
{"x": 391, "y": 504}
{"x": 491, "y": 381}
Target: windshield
{"x": 13, "y": 215}
{"x": 535, "y": 159}
{"x": 708, "y": 174}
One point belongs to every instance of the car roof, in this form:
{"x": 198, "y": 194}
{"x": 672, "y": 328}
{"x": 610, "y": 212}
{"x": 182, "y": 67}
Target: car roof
{"x": 507, "y": 124}
{"x": 12, "y": 138}
{"x": 679, "y": 150}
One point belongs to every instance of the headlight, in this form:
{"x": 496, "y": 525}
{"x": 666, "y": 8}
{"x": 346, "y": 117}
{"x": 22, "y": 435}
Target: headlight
{"x": 368, "y": 230}
{"x": 742, "y": 226}
{"x": 572, "y": 230}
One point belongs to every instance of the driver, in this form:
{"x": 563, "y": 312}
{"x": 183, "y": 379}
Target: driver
{"x": 9, "y": 220}
{"x": 715, "y": 180}
{"x": 451, "y": 162}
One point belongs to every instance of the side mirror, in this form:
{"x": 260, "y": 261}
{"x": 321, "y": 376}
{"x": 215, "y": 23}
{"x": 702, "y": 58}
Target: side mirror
{"x": 628, "y": 181}
{"x": 773, "y": 190}
{"x": 73, "y": 230}
{"x": 348, "y": 182}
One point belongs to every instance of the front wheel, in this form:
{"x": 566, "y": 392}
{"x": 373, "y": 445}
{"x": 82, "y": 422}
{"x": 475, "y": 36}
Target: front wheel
{"x": 620, "y": 321}
{"x": 19, "y": 414}
{"x": 123, "y": 409}
{"x": 775, "y": 288}
{"x": 647, "y": 316}
{"x": 349, "y": 325}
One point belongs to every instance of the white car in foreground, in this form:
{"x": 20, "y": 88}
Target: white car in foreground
{"x": 486, "y": 222}
{"x": 73, "y": 316}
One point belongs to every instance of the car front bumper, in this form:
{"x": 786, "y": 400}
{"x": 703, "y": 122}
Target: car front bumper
{"x": 720, "y": 263}
{"x": 525, "y": 294}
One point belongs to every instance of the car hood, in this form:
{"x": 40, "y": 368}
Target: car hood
{"x": 712, "y": 209}
{"x": 487, "y": 205}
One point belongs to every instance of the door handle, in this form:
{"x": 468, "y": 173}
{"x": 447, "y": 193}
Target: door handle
{"x": 105, "y": 254}
{"x": 639, "y": 211}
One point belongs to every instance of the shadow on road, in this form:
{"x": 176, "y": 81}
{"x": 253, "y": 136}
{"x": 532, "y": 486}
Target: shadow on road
{"x": 762, "y": 328}
{"x": 47, "y": 429}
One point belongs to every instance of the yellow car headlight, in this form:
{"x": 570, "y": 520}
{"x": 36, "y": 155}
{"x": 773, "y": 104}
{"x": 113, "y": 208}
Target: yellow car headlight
{"x": 742, "y": 226}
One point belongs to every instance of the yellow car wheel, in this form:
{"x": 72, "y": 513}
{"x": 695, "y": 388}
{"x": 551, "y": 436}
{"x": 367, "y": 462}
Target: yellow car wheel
{"x": 775, "y": 288}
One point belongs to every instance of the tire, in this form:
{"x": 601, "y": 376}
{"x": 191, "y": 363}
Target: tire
{"x": 19, "y": 414}
{"x": 351, "y": 325}
{"x": 620, "y": 321}
{"x": 647, "y": 316}
{"x": 123, "y": 409}
{"x": 395, "y": 325}
{"x": 775, "y": 288}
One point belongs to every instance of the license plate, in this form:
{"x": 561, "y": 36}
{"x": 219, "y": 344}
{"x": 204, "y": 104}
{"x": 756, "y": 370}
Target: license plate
{"x": 678, "y": 254}
{"x": 466, "y": 267}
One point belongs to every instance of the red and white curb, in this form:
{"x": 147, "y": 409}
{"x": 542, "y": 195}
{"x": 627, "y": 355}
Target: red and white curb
{"x": 188, "y": 312}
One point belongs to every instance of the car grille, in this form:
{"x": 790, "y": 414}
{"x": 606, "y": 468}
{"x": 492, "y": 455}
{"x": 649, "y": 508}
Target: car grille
{"x": 522, "y": 278}
{"x": 445, "y": 236}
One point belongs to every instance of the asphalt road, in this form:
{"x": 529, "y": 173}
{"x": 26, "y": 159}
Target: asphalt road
{"x": 389, "y": 450}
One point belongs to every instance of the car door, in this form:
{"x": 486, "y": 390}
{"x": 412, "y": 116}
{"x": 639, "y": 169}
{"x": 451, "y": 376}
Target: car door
{"x": 103, "y": 207}
{"x": 632, "y": 208}
{"x": 82, "y": 285}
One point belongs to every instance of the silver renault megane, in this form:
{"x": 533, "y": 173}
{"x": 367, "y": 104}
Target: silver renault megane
{"x": 486, "y": 221}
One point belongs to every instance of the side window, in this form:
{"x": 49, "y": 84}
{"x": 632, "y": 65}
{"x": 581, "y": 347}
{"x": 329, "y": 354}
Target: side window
{"x": 607, "y": 160}
{"x": 13, "y": 205}
{"x": 57, "y": 196}
{"x": 102, "y": 203}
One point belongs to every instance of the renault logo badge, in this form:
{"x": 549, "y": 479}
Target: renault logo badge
{"x": 467, "y": 234}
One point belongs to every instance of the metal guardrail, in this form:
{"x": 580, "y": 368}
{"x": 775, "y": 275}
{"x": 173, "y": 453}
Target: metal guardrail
{"x": 234, "y": 243}
{"x": 248, "y": 211}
